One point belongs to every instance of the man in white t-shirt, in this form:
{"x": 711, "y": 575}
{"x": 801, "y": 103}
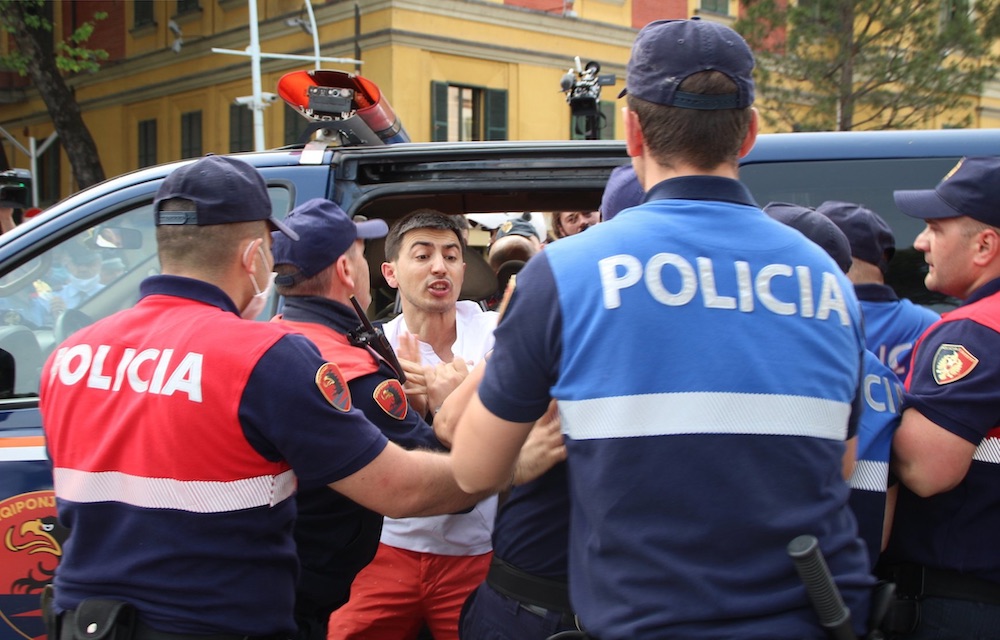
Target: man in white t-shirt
{"x": 425, "y": 568}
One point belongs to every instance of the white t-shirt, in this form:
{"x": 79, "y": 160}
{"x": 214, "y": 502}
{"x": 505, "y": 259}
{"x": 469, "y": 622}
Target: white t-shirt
{"x": 466, "y": 534}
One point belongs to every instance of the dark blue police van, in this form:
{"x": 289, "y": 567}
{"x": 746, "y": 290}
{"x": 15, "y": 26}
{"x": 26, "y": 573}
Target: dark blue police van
{"x": 113, "y": 220}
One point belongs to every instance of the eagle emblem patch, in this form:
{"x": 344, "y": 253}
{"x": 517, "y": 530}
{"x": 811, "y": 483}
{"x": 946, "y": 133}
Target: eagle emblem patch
{"x": 333, "y": 386}
{"x": 389, "y": 395}
{"x": 31, "y": 546}
{"x": 953, "y": 362}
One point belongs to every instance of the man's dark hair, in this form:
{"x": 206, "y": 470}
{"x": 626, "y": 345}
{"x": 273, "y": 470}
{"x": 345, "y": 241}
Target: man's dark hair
{"x": 704, "y": 139}
{"x": 421, "y": 219}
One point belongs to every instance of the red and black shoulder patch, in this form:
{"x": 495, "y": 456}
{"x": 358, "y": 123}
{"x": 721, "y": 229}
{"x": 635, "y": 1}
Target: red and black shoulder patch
{"x": 389, "y": 395}
{"x": 953, "y": 362}
{"x": 333, "y": 386}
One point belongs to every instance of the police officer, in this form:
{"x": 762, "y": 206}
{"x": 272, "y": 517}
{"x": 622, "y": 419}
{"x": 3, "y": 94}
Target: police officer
{"x": 706, "y": 385}
{"x": 526, "y": 595}
{"x": 892, "y": 324}
{"x": 178, "y": 430}
{"x": 621, "y": 192}
{"x": 871, "y": 496}
{"x": 942, "y": 551}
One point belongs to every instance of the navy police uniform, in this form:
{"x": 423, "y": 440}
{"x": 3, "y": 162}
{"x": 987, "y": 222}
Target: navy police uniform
{"x": 178, "y": 432}
{"x": 526, "y": 596}
{"x": 892, "y": 325}
{"x": 706, "y": 383}
{"x": 941, "y": 546}
{"x": 883, "y": 395}
{"x": 336, "y": 537}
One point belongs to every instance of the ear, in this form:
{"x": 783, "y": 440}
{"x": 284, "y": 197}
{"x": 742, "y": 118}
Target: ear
{"x": 987, "y": 247}
{"x": 752, "y": 130}
{"x": 634, "y": 140}
{"x": 250, "y": 254}
{"x": 389, "y": 273}
{"x": 344, "y": 272}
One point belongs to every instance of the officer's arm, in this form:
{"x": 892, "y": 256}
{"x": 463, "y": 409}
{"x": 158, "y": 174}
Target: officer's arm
{"x": 485, "y": 447}
{"x": 927, "y": 458}
{"x": 401, "y": 484}
{"x": 850, "y": 459}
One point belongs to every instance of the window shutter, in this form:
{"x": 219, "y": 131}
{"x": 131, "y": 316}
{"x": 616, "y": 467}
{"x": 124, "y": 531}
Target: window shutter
{"x": 496, "y": 114}
{"x": 439, "y": 112}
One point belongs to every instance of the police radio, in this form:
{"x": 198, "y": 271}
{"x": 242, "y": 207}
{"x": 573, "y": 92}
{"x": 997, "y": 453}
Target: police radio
{"x": 368, "y": 335}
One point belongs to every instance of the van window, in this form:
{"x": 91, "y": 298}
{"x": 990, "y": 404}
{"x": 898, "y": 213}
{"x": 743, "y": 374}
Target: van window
{"x": 871, "y": 183}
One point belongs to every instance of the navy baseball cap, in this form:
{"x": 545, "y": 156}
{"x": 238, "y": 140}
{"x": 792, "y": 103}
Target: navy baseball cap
{"x": 621, "y": 192}
{"x": 224, "y": 190}
{"x": 870, "y": 236}
{"x": 666, "y": 52}
{"x": 815, "y": 226}
{"x": 971, "y": 188}
{"x": 325, "y": 233}
{"x": 516, "y": 227}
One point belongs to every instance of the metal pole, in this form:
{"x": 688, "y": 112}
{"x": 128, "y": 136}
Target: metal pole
{"x": 34, "y": 171}
{"x": 315, "y": 33}
{"x": 258, "y": 107}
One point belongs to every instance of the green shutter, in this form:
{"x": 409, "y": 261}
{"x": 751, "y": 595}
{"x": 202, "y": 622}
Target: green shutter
{"x": 496, "y": 114}
{"x": 439, "y": 111}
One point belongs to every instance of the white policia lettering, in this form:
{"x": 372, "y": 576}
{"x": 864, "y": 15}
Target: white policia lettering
{"x": 891, "y": 357}
{"x": 623, "y": 271}
{"x": 82, "y": 362}
{"x": 893, "y": 393}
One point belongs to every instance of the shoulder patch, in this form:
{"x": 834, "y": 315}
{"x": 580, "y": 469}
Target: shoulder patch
{"x": 953, "y": 362}
{"x": 333, "y": 386}
{"x": 389, "y": 395}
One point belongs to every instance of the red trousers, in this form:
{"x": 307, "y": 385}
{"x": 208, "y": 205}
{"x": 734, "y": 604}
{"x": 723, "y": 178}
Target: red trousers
{"x": 401, "y": 590}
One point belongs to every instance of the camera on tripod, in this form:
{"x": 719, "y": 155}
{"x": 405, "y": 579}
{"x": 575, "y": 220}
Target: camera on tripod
{"x": 583, "y": 87}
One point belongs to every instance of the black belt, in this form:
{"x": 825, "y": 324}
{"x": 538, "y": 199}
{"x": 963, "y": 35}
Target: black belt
{"x": 142, "y": 631}
{"x": 914, "y": 581}
{"x": 541, "y": 593}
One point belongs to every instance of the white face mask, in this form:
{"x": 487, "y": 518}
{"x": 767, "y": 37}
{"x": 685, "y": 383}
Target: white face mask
{"x": 87, "y": 285}
{"x": 259, "y": 300}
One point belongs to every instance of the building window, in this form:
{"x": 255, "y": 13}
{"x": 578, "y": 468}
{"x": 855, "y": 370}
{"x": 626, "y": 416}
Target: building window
{"x": 191, "y": 134}
{"x": 295, "y": 125}
{"x": 147, "y": 143}
{"x": 720, "y": 7}
{"x": 460, "y": 113}
{"x": 143, "y": 10}
{"x": 187, "y": 6}
{"x": 605, "y": 123}
{"x": 240, "y": 128}
{"x": 49, "y": 175}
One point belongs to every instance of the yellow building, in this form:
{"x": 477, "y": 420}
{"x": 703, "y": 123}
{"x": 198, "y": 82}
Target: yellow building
{"x": 451, "y": 69}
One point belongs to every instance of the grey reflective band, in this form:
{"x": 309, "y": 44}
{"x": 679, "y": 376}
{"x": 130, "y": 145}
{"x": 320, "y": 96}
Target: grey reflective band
{"x": 686, "y": 100}
{"x": 177, "y": 217}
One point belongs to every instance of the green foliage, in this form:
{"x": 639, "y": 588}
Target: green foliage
{"x": 71, "y": 55}
{"x": 869, "y": 64}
